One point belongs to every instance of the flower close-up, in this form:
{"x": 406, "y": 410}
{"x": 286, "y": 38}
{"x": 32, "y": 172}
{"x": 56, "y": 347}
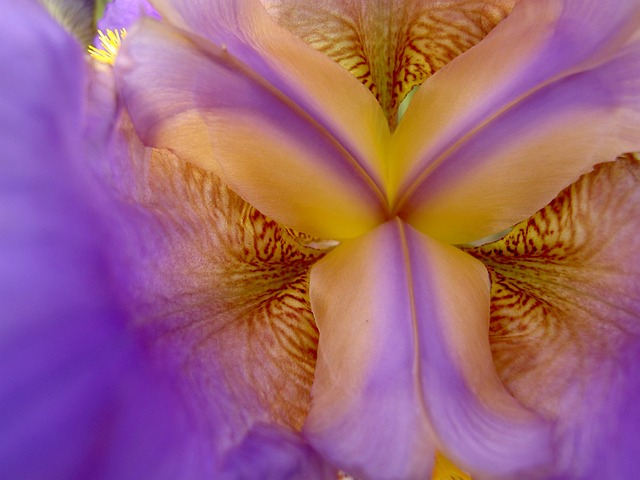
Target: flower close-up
{"x": 336, "y": 239}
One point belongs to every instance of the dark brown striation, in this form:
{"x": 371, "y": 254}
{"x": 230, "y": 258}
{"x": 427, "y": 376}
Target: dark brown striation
{"x": 219, "y": 288}
{"x": 566, "y": 294}
{"x": 390, "y": 46}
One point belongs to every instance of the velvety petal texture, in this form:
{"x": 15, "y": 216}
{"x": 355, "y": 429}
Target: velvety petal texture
{"x": 220, "y": 292}
{"x": 231, "y": 298}
{"x": 233, "y": 106}
{"x": 565, "y": 319}
{"x": 390, "y": 46}
{"x": 79, "y": 395}
{"x": 551, "y": 91}
{"x": 404, "y": 366}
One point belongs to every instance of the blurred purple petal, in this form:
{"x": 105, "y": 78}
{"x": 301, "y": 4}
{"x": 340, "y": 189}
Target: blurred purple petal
{"x": 79, "y": 396}
{"x": 404, "y": 366}
{"x": 124, "y": 13}
{"x": 273, "y": 453}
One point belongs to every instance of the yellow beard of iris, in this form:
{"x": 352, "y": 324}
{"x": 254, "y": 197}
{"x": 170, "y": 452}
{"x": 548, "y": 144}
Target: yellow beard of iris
{"x": 111, "y": 42}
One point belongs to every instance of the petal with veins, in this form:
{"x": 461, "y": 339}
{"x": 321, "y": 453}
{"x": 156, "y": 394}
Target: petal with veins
{"x": 220, "y": 292}
{"x": 551, "y": 91}
{"x": 305, "y": 148}
{"x": 404, "y": 366}
{"x": 565, "y": 319}
{"x": 390, "y": 46}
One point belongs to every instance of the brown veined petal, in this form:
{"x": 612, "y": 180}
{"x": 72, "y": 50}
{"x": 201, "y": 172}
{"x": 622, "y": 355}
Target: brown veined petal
{"x": 565, "y": 319}
{"x": 391, "y": 46}
{"x": 221, "y": 292}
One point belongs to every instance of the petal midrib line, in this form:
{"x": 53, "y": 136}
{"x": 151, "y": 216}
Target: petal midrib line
{"x": 297, "y": 104}
{"x": 464, "y": 135}
{"x": 417, "y": 370}
{"x": 482, "y": 120}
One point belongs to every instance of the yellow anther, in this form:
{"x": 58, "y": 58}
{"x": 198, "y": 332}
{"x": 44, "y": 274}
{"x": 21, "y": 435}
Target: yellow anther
{"x": 110, "y": 45}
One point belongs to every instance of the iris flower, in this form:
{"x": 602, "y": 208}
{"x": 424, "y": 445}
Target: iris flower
{"x": 249, "y": 265}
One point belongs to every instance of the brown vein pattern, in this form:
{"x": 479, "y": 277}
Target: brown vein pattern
{"x": 566, "y": 292}
{"x": 221, "y": 288}
{"x": 390, "y": 46}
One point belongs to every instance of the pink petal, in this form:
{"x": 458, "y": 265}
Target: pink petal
{"x": 565, "y": 320}
{"x": 404, "y": 366}
{"x": 554, "y": 89}
{"x": 290, "y": 131}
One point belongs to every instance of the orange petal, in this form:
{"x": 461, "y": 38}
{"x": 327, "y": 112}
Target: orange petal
{"x": 565, "y": 319}
{"x": 497, "y": 133}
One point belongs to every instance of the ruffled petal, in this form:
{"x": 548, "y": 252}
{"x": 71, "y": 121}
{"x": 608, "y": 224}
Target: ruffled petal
{"x": 220, "y": 292}
{"x": 80, "y": 397}
{"x": 291, "y": 132}
{"x": 565, "y": 319}
{"x": 404, "y": 366}
{"x": 553, "y": 90}
{"x": 390, "y": 46}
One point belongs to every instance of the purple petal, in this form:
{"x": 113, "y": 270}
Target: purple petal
{"x": 304, "y": 149}
{"x": 124, "y": 13}
{"x": 550, "y": 92}
{"x": 220, "y": 293}
{"x": 289, "y": 457}
{"x": 565, "y": 321}
{"x": 79, "y": 396}
{"x": 404, "y": 366}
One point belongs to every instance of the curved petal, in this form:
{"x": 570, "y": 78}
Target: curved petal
{"x": 80, "y": 397}
{"x": 292, "y": 457}
{"x": 120, "y": 14}
{"x": 404, "y": 365}
{"x": 306, "y": 149}
{"x": 220, "y": 293}
{"x": 553, "y": 90}
{"x": 77, "y": 16}
{"x": 390, "y": 46}
{"x": 565, "y": 319}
